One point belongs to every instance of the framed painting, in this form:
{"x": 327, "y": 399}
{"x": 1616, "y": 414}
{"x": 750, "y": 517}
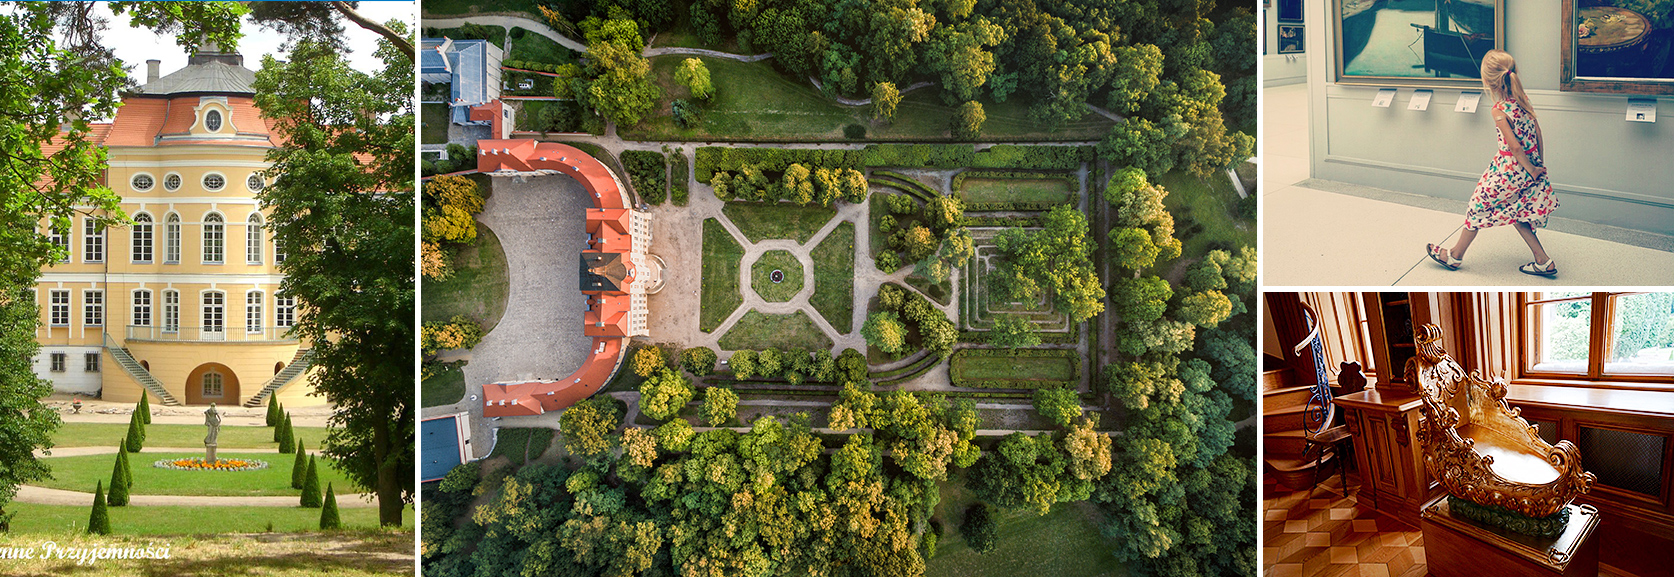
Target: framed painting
{"x": 1423, "y": 43}
{"x": 1618, "y": 46}
{"x": 1292, "y": 39}
{"x": 1291, "y": 11}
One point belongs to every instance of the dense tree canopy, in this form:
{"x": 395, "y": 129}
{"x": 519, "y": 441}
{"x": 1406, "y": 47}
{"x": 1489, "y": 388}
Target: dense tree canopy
{"x": 1055, "y": 259}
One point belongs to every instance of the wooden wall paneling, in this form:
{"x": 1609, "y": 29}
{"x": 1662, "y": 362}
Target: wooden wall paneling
{"x": 1290, "y": 321}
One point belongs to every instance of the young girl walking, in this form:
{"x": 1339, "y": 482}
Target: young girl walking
{"x": 1514, "y": 189}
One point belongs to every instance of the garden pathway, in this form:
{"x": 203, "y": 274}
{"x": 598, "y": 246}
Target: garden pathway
{"x": 508, "y": 22}
{"x": 45, "y": 496}
{"x": 866, "y": 101}
{"x": 652, "y": 52}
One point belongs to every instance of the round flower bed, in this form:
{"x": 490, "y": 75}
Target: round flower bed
{"x": 219, "y": 465}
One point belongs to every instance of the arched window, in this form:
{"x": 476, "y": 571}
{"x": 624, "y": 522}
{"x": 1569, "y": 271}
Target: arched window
{"x": 142, "y": 308}
{"x": 212, "y": 313}
{"x": 213, "y": 239}
{"x": 140, "y": 238}
{"x": 254, "y": 312}
{"x": 254, "y": 239}
{"x": 213, "y": 120}
{"x": 171, "y": 311}
{"x": 172, "y": 239}
{"x": 212, "y": 381}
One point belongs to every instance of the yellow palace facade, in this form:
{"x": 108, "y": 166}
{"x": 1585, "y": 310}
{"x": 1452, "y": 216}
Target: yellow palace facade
{"x": 183, "y": 304}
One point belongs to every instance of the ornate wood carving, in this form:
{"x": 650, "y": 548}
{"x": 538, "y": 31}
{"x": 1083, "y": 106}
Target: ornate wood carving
{"x": 1453, "y": 459}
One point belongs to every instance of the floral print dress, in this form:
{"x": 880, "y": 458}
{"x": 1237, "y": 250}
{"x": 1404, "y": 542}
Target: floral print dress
{"x": 1507, "y": 194}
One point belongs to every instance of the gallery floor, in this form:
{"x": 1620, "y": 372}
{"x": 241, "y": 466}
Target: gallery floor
{"x": 1321, "y": 233}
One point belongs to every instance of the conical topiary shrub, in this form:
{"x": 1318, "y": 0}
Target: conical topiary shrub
{"x": 136, "y": 438}
{"x": 279, "y": 427}
{"x": 128, "y": 471}
{"x": 119, "y": 480}
{"x": 273, "y": 410}
{"x": 299, "y": 468}
{"x": 329, "y": 512}
{"x": 145, "y": 409}
{"x": 286, "y": 438}
{"x": 99, "y": 523}
{"x": 311, "y": 487}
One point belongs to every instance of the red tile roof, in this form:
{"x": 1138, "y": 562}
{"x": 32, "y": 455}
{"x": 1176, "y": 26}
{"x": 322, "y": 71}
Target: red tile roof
{"x": 536, "y": 398}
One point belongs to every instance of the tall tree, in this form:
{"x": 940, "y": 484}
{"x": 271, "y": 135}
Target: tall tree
{"x": 342, "y": 209}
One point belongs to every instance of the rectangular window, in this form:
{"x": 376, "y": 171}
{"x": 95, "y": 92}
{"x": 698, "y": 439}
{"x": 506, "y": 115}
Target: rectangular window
{"x": 1598, "y": 336}
{"x": 171, "y": 311}
{"x": 172, "y": 240}
{"x": 253, "y": 312}
{"x": 253, "y": 241}
{"x": 58, "y": 362}
{"x": 142, "y": 309}
{"x": 59, "y": 303}
{"x": 60, "y": 238}
{"x": 212, "y": 312}
{"x": 284, "y": 311}
{"x": 93, "y": 240}
{"x": 91, "y": 361}
{"x": 279, "y": 255}
{"x": 140, "y": 238}
{"x": 93, "y": 308}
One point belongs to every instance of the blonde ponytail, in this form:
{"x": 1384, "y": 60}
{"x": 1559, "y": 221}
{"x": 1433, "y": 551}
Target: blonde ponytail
{"x": 1517, "y": 92}
{"x": 1499, "y": 77}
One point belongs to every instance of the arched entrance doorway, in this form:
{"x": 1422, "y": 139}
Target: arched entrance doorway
{"x": 212, "y": 383}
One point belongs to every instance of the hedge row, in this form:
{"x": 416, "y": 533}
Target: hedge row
{"x": 1011, "y": 206}
{"x": 1071, "y": 179}
{"x": 710, "y": 159}
{"x": 925, "y": 192}
{"x": 919, "y": 372}
{"x": 1047, "y": 338}
{"x": 679, "y": 184}
{"x": 1003, "y": 221}
{"x": 537, "y": 66}
{"x": 900, "y": 370}
{"x": 1012, "y": 156}
{"x": 647, "y": 174}
{"x": 899, "y": 186}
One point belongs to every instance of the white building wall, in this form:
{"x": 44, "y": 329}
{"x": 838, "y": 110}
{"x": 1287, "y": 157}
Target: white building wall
{"x": 74, "y": 378}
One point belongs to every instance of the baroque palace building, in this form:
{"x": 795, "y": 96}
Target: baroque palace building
{"x": 184, "y": 303}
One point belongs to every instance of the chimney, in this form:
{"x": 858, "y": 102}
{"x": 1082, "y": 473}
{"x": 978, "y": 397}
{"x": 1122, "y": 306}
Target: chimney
{"x": 152, "y": 70}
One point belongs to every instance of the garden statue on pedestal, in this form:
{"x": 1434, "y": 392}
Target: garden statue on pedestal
{"x": 213, "y": 421}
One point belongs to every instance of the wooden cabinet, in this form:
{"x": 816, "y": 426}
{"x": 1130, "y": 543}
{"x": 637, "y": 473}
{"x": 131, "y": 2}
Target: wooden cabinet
{"x": 1384, "y": 423}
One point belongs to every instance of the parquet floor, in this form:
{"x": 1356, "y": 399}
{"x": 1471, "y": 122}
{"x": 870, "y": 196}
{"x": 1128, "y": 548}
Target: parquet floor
{"x": 1320, "y": 533}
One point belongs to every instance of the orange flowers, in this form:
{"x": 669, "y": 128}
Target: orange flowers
{"x": 195, "y": 464}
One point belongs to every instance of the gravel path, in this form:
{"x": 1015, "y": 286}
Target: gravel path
{"x": 508, "y": 22}
{"x": 652, "y": 52}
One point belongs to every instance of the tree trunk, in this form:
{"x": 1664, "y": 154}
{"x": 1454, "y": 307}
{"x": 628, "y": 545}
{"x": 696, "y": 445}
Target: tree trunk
{"x": 389, "y": 484}
{"x": 399, "y": 41}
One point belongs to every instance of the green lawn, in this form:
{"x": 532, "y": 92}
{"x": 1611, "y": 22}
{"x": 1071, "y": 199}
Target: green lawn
{"x": 160, "y": 435}
{"x": 522, "y": 444}
{"x": 833, "y": 258}
{"x": 940, "y": 292}
{"x": 445, "y": 388}
{"x": 534, "y": 47}
{"x": 479, "y": 288}
{"x": 1203, "y": 213}
{"x": 754, "y": 102}
{"x": 720, "y": 275}
{"x": 1066, "y": 542}
{"x": 793, "y": 276}
{"x": 81, "y": 473}
{"x": 758, "y": 331}
{"x": 978, "y": 367}
{"x": 760, "y": 221}
{"x": 68, "y": 519}
{"x": 1015, "y": 190}
{"x": 434, "y": 123}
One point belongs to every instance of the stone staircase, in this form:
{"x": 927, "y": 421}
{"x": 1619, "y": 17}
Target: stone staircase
{"x": 299, "y": 364}
{"x": 139, "y": 373}
{"x": 1284, "y": 403}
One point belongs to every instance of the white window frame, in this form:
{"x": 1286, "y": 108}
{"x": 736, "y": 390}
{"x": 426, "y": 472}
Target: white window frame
{"x": 60, "y": 237}
{"x": 215, "y": 239}
{"x": 171, "y": 317}
{"x": 177, "y": 184}
{"x": 254, "y": 312}
{"x": 172, "y": 239}
{"x": 212, "y": 315}
{"x": 140, "y": 239}
{"x": 93, "y": 240}
{"x": 134, "y": 182}
{"x": 219, "y": 120}
{"x": 257, "y": 180}
{"x": 205, "y": 181}
{"x": 254, "y": 239}
{"x": 58, "y": 307}
{"x": 93, "y": 307}
{"x": 142, "y": 313}
{"x": 285, "y": 311}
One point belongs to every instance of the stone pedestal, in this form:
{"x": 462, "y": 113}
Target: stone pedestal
{"x": 209, "y": 452}
{"x": 1457, "y": 547}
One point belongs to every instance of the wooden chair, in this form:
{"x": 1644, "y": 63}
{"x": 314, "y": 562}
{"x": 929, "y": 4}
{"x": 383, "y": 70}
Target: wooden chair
{"x": 1479, "y": 447}
{"x": 1323, "y": 424}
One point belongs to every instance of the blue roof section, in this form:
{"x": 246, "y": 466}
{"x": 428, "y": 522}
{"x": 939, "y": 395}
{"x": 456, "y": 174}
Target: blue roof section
{"x": 432, "y": 60}
{"x": 440, "y": 448}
